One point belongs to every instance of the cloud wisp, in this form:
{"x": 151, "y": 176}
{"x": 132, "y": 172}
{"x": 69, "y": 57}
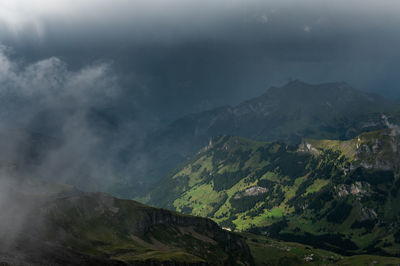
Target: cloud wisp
{"x": 47, "y": 99}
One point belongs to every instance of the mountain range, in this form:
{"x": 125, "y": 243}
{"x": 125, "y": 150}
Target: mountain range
{"x": 289, "y": 113}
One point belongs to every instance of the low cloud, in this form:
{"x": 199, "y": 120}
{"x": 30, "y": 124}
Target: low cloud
{"x": 263, "y": 19}
{"x": 307, "y": 28}
{"x": 57, "y": 127}
{"x": 50, "y": 82}
{"x": 45, "y": 118}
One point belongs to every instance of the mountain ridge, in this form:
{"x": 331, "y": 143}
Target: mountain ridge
{"x": 297, "y": 193}
{"x": 59, "y": 225}
{"x": 289, "y": 113}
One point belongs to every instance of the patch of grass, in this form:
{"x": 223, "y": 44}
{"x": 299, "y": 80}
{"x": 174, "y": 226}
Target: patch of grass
{"x": 317, "y": 186}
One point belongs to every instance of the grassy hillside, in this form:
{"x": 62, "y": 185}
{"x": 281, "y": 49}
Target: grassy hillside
{"x": 338, "y": 195}
{"x": 63, "y": 226}
{"x": 125, "y": 230}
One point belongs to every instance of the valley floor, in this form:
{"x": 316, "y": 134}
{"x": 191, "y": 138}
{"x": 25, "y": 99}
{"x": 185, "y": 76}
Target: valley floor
{"x": 267, "y": 251}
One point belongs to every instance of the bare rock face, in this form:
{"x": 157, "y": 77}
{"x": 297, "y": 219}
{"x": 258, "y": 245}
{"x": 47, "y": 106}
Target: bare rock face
{"x": 379, "y": 151}
{"x": 254, "y": 191}
{"x": 368, "y": 214}
{"x": 251, "y": 192}
{"x": 304, "y": 146}
{"x": 357, "y": 189}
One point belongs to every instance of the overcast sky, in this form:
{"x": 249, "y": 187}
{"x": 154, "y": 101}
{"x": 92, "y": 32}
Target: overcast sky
{"x": 178, "y": 56}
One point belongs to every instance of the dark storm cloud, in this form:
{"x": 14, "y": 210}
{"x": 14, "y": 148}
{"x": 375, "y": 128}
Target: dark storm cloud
{"x": 213, "y": 52}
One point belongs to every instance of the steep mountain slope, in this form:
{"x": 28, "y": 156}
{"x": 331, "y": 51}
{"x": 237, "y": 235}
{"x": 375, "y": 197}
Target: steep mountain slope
{"x": 67, "y": 227}
{"x": 289, "y": 113}
{"x": 305, "y": 193}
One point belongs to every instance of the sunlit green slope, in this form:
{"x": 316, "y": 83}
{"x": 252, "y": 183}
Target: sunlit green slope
{"x": 340, "y": 195}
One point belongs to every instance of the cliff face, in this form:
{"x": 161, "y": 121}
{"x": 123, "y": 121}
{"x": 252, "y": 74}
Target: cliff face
{"x": 97, "y": 229}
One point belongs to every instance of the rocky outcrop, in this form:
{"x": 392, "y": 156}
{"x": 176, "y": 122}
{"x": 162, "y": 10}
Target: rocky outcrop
{"x": 357, "y": 189}
{"x": 252, "y": 191}
{"x": 368, "y": 214}
{"x": 304, "y": 146}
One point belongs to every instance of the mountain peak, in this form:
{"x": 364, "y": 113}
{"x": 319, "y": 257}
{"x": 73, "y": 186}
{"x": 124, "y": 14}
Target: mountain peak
{"x": 301, "y": 98}
{"x": 296, "y": 82}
